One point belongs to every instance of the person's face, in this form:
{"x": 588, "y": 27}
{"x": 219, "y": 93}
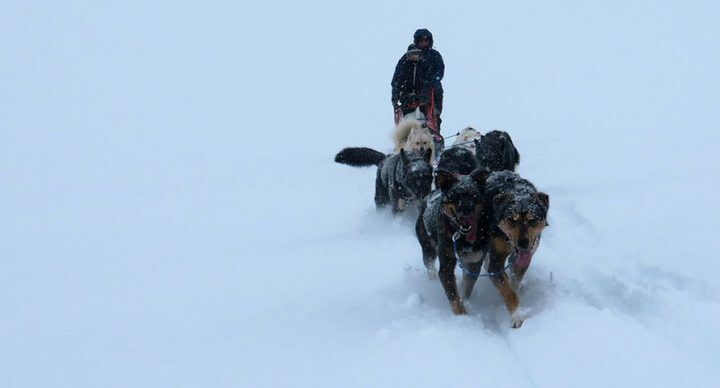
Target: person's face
{"x": 423, "y": 42}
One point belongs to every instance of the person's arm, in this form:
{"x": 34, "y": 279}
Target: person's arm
{"x": 397, "y": 80}
{"x": 439, "y": 69}
{"x": 397, "y": 76}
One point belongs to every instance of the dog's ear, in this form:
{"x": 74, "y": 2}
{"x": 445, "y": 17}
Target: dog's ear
{"x": 444, "y": 180}
{"x": 404, "y": 157}
{"x": 428, "y": 155}
{"x": 479, "y": 176}
{"x": 544, "y": 198}
{"x": 502, "y": 199}
{"x": 477, "y": 143}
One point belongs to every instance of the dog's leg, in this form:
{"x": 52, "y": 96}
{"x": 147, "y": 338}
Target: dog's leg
{"x": 500, "y": 249}
{"x": 501, "y": 283}
{"x": 468, "y": 281}
{"x": 447, "y": 275}
{"x": 395, "y": 201}
{"x": 429, "y": 250}
{"x": 402, "y": 204}
{"x": 381, "y": 192}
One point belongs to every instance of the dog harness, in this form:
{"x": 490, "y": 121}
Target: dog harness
{"x": 472, "y": 274}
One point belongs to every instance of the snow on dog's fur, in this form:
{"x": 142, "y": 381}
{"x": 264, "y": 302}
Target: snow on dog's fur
{"x": 465, "y": 138}
{"x": 411, "y": 135}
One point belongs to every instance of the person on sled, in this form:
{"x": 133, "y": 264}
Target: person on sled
{"x": 417, "y": 80}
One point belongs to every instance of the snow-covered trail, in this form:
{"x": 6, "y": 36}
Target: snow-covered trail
{"x": 605, "y": 306}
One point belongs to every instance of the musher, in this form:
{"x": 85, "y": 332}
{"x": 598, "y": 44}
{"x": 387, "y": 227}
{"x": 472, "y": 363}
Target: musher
{"x": 417, "y": 79}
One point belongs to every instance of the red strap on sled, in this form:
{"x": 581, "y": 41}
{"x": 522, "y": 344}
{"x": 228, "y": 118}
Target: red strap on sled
{"x": 429, "y": 114}
{"x": 398, "y": 114}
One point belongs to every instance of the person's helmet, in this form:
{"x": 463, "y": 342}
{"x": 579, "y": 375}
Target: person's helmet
{"x": 423, "y": 33}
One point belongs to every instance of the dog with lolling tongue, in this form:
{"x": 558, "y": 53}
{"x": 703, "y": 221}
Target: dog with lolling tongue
{"x": 518, "y": 215}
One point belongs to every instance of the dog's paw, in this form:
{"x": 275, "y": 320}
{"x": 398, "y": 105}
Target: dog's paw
{"x": 432, "y": 274}
{"x": 517, "y": 318}
{"x": 458, "y": 308}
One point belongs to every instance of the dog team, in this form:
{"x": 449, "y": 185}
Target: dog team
{"x": 481, "y": 216}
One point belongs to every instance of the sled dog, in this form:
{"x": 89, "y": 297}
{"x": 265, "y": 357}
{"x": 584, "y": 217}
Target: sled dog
{"x": 400, "y": 178}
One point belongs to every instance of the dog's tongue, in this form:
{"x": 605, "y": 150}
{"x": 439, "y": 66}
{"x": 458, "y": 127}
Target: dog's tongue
{"x": 472, "y": 234}
{"x": 523, "y": 258}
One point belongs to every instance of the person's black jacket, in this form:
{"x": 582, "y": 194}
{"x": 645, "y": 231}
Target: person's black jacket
{"x": 413, "y": 79}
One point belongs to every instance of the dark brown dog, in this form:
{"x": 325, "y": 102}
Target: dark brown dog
{"x": 451, "y": 227}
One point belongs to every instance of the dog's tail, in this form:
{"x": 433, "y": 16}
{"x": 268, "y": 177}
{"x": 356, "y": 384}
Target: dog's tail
{"x": 402, "y": 131}
{"x": 360, "y": 157}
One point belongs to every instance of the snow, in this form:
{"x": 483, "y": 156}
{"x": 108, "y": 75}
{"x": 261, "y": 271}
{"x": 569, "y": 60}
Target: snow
{"x": 171, "y": 215}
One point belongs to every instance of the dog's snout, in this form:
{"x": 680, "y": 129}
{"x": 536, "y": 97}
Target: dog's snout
{"x": 467, "y": 206}
{"x": 466, "y": 210}
{"x": 524, "y": 243}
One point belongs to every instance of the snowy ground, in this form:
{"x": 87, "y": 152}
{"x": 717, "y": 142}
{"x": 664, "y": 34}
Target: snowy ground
{"x": 170, "y": 215}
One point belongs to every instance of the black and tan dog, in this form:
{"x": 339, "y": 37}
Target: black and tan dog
{"x": 495, "y": 151}
{"x": 400, "y": 178}
{"x": 450, "y": 226}
{"x": 517, "y": 215}
{"x": 477, "y": 218}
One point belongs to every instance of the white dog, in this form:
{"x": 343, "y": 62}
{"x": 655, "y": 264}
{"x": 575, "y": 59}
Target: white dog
{"x": 465, "y": 138}
{"x": 411, "y": 135}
